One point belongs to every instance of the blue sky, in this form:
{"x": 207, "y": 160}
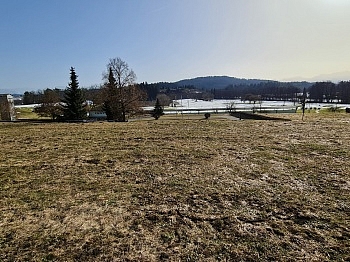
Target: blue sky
{"x": 169, "y": 40}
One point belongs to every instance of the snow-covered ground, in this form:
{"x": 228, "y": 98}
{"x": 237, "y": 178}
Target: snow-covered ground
{"x": 221, "y": 103}
{"x": 325, "y": 105}
{"x": 237, "y": 103}
{"x": 187, "y": 104}
{"x": 26, "y": 106}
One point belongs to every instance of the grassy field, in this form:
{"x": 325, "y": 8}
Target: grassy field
{"x": 176, "y": 190}
{"x": 26, "y": 113}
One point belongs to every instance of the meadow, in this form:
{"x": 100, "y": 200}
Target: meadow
{"x": 176, "y": 189}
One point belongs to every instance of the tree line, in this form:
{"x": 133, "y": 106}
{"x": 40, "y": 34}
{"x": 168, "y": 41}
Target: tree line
{"x": 119, "y": 97}
{"x": 330, "y": 92}
{"x": 325, "y": 91}
{"x": 271, "y": 90}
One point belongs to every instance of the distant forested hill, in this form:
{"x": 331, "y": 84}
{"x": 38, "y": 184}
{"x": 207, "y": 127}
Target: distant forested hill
{"x": 220, "y": 82}
{"x": 208, "y": 87}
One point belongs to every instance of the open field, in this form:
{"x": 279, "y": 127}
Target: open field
{"x": 176, "y": 189}
{"x": 26, "y": 113}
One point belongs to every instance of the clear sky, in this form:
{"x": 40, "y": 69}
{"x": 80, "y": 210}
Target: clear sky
{"x": 170, "y": 40}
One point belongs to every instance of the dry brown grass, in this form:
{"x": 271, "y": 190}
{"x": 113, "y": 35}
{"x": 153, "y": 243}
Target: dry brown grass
{"x": 176, "y": 190}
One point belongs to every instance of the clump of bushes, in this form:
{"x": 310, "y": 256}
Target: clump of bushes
{"x": 334, "y": 109}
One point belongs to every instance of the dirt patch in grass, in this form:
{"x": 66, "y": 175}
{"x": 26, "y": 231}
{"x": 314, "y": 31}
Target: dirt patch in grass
{"x": 176, "y": 190}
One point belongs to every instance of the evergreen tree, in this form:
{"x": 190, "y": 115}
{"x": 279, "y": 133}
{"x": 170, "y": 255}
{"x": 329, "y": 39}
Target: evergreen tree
{"x": 111, "y": 104}
{"x": 158, "y": 110}
{"x": 74, "y": 103}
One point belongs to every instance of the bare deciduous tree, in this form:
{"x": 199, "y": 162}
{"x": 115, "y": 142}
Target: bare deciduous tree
{"x": 124, "y": 76}
{"x": 164, "y": 100}
{"x": 121, "y": 95}
{"x": 50, "y": 104}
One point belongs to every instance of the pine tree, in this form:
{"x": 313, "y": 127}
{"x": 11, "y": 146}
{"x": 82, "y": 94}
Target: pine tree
{"x": 158, "y": 110}
{"x": 74, "y": 103}
{"x": 111, "y": 93}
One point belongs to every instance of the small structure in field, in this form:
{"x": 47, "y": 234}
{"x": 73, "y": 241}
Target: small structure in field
{"x": 97, "y": 114}
{"x": 7, "y": 108}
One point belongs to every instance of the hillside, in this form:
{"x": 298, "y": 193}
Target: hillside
{"x": 220, "y": 82}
